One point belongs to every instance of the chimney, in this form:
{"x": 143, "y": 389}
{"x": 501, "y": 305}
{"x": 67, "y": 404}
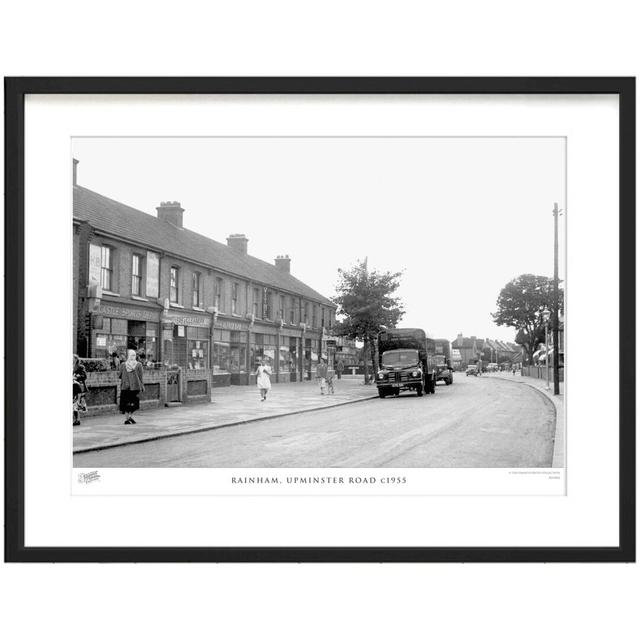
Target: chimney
{"x": 238, "y": 242}
{"x": 283, "y": 263}
{"x": 75, "y": 172}
{"x": 171, "y": 212}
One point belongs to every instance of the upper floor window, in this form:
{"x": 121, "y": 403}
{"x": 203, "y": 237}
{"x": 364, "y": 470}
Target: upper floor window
{"x": 306, "y": 312}
{"x": 106, "y": 268}
{"x": 136, "y": 275}
{"x": 174, "y": 285}
{"x": 256, "y": 302}
{"x": 314, "y": 313}
{"x": 196, "y": 290}
{"x": 219, "y": 287}
{"x": 234, "y": 298}
{"x": 292, "y": 311}
{"x": 281, "y": 311}
{"x": 268, "y": 305}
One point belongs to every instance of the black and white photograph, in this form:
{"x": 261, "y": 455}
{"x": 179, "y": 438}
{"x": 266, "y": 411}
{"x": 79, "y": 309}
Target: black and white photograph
{"x": 381, "y": 302}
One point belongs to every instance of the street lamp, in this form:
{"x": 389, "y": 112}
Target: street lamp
{"x": 546, "y": 314}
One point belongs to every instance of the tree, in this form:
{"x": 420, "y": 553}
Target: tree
{"x": 366, "y": 304}
{"x": 521, "y": 304}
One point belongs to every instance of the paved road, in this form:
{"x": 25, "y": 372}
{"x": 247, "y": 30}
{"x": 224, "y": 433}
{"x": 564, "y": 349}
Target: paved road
{"x": 476, "y": 422}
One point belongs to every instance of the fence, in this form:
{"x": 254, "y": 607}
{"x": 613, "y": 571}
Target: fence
{"x": 541, "y": 373}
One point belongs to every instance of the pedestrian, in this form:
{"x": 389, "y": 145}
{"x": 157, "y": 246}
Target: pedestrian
{"x": 79, "y": 389}
{"x": 263, "y": 379}
{"x": 330, "y": 376}
{"x": 130, "y": 375}
{"x": 321, "y": 373}
{"x": 339, "y": 369}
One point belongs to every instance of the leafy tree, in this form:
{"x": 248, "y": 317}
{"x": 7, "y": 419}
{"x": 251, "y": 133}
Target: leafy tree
{"x": 521, "y": 304}
{"x": 366, "y": 304}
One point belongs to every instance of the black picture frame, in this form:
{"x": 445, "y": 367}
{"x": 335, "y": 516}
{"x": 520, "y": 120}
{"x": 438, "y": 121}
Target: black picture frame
{"x": 15, "y": 91}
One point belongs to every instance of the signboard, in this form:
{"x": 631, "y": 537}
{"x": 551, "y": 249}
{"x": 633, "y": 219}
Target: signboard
{"x": 153, "y": 274}
{"x": 127, "y": 312}
{"x": 186, "y": 320}
{"x": 229, "y": 325}
{"x": 95, "y": 262}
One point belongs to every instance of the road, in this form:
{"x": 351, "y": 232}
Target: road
{"x": 476, "y": 422}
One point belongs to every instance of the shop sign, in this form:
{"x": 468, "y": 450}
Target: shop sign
{"x": 230, "y": 325}
{"x": 153, "y": 274}
{"x": 190, "y": 321}
{"x": 128, "y": 313}
{"x": 95, "y": 262}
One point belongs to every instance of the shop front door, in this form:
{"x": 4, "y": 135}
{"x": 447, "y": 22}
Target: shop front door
{"x": 173, "y": 386}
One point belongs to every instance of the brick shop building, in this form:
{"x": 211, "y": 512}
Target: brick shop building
{"x": 188, "y": 303}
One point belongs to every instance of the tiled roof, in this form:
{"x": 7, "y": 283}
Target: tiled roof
{"x": 135, "y": 226}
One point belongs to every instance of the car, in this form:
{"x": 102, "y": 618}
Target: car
{"x": 472, "y": 370}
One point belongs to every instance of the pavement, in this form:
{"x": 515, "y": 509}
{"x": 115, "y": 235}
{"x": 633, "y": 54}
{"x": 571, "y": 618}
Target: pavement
{"x": 229, "y": 406}
{"x": 558, "y": 403}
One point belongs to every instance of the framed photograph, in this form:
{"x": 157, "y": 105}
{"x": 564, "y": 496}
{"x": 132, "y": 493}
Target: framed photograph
{"x": 320, "y": 319}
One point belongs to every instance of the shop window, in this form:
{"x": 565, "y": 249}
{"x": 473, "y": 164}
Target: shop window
{"x": 229, "y": 351}
{"x": 174, "y": 285}
{"x": 106, "y": 268}
{"x": 196, "y": 290}
{"x": 197, "y": 348}
{"x": 264, "y": 348}
{"x": 136, "y": 274}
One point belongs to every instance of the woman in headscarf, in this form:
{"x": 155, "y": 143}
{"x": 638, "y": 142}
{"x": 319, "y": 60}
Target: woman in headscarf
{"x": 79, "y": 389}
{"x": 130, "y": 374}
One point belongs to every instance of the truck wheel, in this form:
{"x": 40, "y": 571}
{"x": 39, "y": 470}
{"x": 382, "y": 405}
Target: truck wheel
{"x": 396, "y": 392}
{"x": 382, "y": 393}
{"x": 419, "y": 390}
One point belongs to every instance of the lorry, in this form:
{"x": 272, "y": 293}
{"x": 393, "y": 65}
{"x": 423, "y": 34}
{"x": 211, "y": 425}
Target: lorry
{"x": 406, "y": 358}
{"x": 444, "y": 370}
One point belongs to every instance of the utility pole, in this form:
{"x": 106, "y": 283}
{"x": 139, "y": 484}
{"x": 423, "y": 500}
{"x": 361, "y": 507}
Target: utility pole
{"x": 556, "y": 297}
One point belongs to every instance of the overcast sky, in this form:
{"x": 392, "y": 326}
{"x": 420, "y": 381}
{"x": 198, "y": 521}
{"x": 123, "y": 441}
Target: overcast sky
{"x": 459, "y": 216}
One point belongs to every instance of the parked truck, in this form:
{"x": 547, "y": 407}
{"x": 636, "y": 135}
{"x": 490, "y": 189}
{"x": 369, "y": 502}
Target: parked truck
{"x": 407, "y": 362}
{"x": 443, "y": 361}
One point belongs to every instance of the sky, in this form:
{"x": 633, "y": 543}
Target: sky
{"x": 459, "y": 217}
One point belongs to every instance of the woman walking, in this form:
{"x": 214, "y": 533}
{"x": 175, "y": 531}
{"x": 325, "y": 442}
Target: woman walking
{"x": 79, "y": 389}
{"x": 130, "y": 374}
{"x": 263, "y": 379}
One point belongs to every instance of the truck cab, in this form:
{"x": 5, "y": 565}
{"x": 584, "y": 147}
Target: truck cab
{"x": 407, "y": 362}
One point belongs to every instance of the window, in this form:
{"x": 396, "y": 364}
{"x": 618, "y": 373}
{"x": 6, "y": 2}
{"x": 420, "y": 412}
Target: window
{"x": 234, "y": 298}
{"x": 219, "y": 286}
{"x": 136, "y": 275}
{"x": 256, "y": 302}
{"x": 292, "y": 311}
{"x": 174, "y": 278}
{"x": 314, "y": 314}
{"x": 281, "y": 312}
{"x": 268, "y": 305}
{"x": 306, "y": 312}
{"x": 106, "y": 268}
{"x": 196, "y": 290}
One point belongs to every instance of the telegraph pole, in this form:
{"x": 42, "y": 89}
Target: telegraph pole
{"x": 556, "y": 297}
